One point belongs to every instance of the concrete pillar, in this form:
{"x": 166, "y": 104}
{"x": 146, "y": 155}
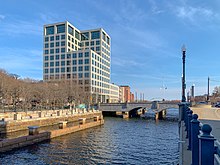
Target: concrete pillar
{"x": 17, "y": 116}
{"x": 41, "y": 114}
{"x": 156, "y": 116}
{"x": 96, "y": 118}
{"x": 62, "y": 124}
{"x": 59, "y": 113}
{"x": 82, "y": 121}
{"x": 33, "y": 130}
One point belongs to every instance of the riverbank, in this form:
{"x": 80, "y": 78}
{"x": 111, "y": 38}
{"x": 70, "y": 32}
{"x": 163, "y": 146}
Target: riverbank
{"x": 10, "y": 144}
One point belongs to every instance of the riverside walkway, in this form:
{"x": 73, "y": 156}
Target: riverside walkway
{"x": 206, "y": 115}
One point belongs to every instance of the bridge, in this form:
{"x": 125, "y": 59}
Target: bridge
{"x": 133, "y": 109}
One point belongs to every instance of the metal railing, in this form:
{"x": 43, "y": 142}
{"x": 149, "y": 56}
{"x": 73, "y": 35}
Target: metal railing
{"x": 205, "y": 149}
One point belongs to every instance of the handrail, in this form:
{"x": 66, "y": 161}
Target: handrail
{"x": 201, "y": 141}
{"x": 217, "y": 151}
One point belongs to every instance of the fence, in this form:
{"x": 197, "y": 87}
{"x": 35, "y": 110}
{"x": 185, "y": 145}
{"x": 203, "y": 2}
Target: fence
{"x": 205, "y": 149}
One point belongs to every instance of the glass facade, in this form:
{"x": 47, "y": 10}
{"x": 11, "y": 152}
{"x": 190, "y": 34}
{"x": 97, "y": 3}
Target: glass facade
{"x": 85, "y": 36}
{"x": 49, "y": 30}
{"x": 61, "y": 28}
{"x": 70, "y": 30}
{"x": 95, "y": 35}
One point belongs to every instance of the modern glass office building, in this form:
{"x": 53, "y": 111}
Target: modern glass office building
{"x": 80, "y": 56}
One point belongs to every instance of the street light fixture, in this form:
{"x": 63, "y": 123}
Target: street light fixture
{"x": 183, "y": 77}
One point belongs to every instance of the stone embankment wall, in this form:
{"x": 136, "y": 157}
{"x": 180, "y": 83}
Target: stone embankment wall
{"x": 12, "y": 122}
{"x": 10, "y": 144}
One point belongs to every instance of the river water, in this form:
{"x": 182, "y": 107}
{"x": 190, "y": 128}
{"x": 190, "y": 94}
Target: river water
{"x": 118, "y": 141}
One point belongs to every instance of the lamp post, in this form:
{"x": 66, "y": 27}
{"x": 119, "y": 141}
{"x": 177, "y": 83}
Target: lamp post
{"x": 183, "y": 77}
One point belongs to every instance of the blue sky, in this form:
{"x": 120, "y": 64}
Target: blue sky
{"x": 147, "y": 36}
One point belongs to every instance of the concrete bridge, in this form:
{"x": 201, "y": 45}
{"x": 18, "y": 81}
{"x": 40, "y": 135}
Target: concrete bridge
{"x": 133, "y": 109}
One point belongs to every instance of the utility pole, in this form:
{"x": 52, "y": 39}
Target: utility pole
{"x": 208, "y": 90}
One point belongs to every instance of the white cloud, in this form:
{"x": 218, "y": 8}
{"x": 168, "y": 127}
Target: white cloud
{"x": 192, "y": 13}
{"x": 2, "y": 17}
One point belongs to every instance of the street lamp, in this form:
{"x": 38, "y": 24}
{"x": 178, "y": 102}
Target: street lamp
{"x": 183, "y": 77}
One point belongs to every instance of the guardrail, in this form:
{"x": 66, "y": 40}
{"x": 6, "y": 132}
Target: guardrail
{"x": 204, "y": 147}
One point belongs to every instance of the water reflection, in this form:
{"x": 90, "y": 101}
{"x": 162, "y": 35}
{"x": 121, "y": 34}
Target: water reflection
{"x": 119, "y": 141}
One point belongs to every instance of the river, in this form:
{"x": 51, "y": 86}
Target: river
{"x": 119, "y": 141}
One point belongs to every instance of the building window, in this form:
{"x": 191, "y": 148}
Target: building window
{"x": 77, "y": 35}
{"x": 74, "y": 69}
{"x": 46, "y": 52}
{"x": 62, "y": 70}
{"x": 57, "y": 50}
{"x": 85, "y": 36}
{"x": 63, "y": 43}
{"x": 61, "y": 28}
{"x": 62, "y": 50}
{"x": 98, "y": 42}
{"x": 63, "y": 37}
{"x": 57, "y": 70}
{"x": 57, "y": 44}
{"x": 97, "y": 48}
{"x": 80, "y": 75}
{"x": 86, "y": 61}
{"x": 57, "y": 63}
{"x": 45, "y": 70}
{"x": 86, "y": 68}
{"x": 92, "y": 43}
{"x": 46, "y": 45}
{"x": 86, "y": 43}
{"x": 62, "y": 56}
{"x": 74, "y": 55}
{"x": 51, "y": 70}
{"x": 80, "y": 68}
{"x": 68, "y": 69}
{"x": 70, "y": 30}
{"x": 62, "y": 63}
{"x": 103, "y": 36}
{"x": 80, "y": 62}
{"x": 80, "y": 55}
{"x": 108, "y": 40}
{"x": 92, "y": 48}
{"x": 52, "y": 45}
{"x": 95, "y": 35}
{"x": 57, "y": 57}
{"x": 46, "y": 58}
{"x": 49, "y": 30}
{"x": 51, "y": 57}
{"x": 51, "y": 63}
{"x": 68, "y": 63}
{"x": 46, "y": 64}
{"x": 74, "y": 75}
{"x": 86, "y": 74}
{"x": 46, "y": 39}
{"x": 74, "y": 62}
{"x": 51, "y": 51}
{"x": 57, "y": 37}
{"x": 52, "y": 38}
{"x": 86, "y": 54}
{"x": 68, "y": 56}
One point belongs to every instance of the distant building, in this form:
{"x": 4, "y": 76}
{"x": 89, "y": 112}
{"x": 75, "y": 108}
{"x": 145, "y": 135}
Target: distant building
{"x": 79, "y": 56}
{"x": 125, "y": 94}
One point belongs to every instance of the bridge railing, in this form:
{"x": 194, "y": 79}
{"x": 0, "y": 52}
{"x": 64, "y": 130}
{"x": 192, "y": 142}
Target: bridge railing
{"x": 205, "y": 149}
